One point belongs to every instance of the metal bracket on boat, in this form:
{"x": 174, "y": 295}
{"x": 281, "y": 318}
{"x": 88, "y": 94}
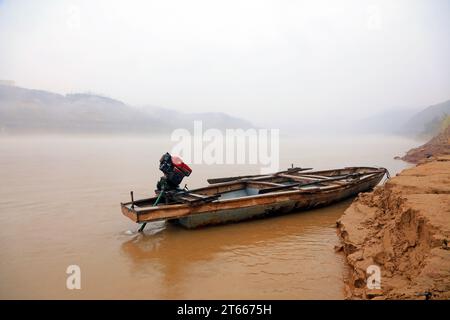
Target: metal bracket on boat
{"x": 132, "y": 199}
{"x": 156, "y": 202}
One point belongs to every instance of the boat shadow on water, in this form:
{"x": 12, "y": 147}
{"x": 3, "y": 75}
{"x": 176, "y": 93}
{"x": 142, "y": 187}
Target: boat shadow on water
{"x": 169, "y": 249}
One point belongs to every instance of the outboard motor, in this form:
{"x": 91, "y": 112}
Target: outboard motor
{"x": 174, "y": 170}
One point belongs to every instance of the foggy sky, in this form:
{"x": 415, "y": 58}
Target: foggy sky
{"x": 262, "y": 60}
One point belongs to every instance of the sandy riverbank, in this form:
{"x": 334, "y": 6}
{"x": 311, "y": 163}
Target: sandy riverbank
{"x": 404, "y": 228}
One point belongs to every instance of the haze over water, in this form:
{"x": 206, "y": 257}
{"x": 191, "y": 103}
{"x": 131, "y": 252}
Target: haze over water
{"x": 59, "y": 205}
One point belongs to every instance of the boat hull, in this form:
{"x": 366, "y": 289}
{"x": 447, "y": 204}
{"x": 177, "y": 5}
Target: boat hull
{"x": 277, "y": 208}
{"x": 256, "y": 197}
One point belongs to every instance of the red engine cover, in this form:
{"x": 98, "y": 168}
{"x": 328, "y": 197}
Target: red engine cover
{"x": 179, "y": 164}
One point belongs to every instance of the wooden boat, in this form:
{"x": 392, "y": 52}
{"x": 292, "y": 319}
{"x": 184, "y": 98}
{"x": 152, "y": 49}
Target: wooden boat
{"x": 235, "y": 199}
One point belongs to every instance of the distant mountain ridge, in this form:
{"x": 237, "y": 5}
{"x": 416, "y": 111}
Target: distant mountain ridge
{"x": 28, "y": 110}
{"x": 389, "y": 121}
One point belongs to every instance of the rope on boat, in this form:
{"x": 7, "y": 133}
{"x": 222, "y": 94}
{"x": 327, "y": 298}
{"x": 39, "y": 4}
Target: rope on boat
{"x": 388, "y": 175}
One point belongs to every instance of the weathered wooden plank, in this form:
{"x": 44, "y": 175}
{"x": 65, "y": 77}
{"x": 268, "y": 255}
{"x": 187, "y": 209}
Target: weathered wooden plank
{"x": 298, "y": 185}
{"x": 295, "y": 178}
{"x": 256, "y": 176}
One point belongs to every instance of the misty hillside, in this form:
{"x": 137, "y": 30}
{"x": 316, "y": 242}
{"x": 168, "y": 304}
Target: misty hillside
{"x": 428, "y": 120}
{"x": 411, "y": 122}
{"x": 390, "y": 122}
{"x": 210, "y": 119}
{"x": 27, "y": 110}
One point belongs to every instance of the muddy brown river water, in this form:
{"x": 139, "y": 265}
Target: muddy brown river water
{"x": 59, "y": 206}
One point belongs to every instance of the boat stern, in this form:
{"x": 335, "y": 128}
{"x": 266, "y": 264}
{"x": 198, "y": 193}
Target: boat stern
{"x": 129, "y": 212}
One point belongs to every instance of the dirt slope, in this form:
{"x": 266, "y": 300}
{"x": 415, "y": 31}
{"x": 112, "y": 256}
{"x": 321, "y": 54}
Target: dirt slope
{"x": 404, "y": 228}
